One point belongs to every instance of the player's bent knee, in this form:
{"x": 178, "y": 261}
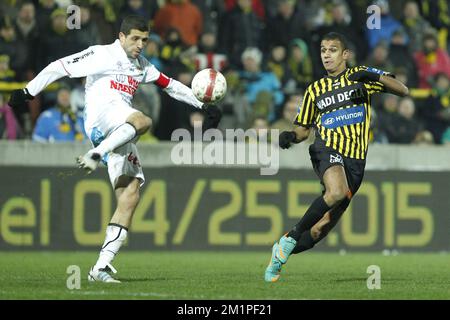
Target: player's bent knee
{"x": 143, "y": 124}
{"x": 335, "y": 195}
{"x": 140, "y": 122}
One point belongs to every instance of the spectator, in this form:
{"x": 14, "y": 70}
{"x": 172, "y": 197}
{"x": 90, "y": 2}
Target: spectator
{"x": 182, "y": 15}
{"x": 59, "y": 123}
{"x": 77, "y": 100}
{"x": 26, "y": 26}
{"x": 43, "y": 13}
{"x": 287, "y": 25}
{"x": 208, "y": 55}
{"x": 195, "y": 125}
{"x": 257, "y": 80}
{"x": 387, "y": 115}
{"x": 240, "y": 28}
{"x": 389, "y": 26}
{"x": 300, "y": 65}
{"x": 379, "y": 58}
{"x": 152, "y": 51}
{"x": 277, "y": 63}
{"x": 172, "y": 47}
{"x": 212, "y": 11}
{"x": 401, "y": 75}
{"x": 406, "y": 128}
{"x": 400, "y": 55}
{"x": 431, "y": 60}
{"x": 9, "y": 127}
{"x": 256, "y": 6}
{"x": 260, "y": 127}
{"x": 174, "y": 114}
{"x": 134, "y": 7}
{"x": 446, "y": 137}
{"x": 436, "y": 111}
{"x": 438, "y": 14}
{"x": 341, "y": 20}
{"x": 88, "y": 34}
{"x": 27, "y": 32}
{"x": 290, "y": 110}
{"x": 57, "y": 42}
{"x": 104, "y": 15}
{"x": 6, "y": 73}
{"x": 415, "y": 25}
{"x": 11, "y": 46}
{"x": 235, "y": 105}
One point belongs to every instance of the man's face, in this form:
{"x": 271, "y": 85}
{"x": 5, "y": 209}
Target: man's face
{"x": 59, "y": 23}
{"x": 63, "y": 99}
{"x": 290, "y": 110}
{"x": 250, "y": 64}
{"x": 27, "y": 13}
{"x": 134, "y": 42}
{"x": 333, "y": 56}
{"x": 430, "y": 45}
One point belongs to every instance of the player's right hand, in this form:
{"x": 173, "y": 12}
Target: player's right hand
{"x": 19, "y": 98}
{"x": 212, "y": 116}
{"x": 286, "y": 139}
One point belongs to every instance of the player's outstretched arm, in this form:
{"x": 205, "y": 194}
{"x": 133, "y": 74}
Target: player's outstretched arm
{"x": 181, "y": 92}
{"x": 49, "y": 74}
{"x": 394, "y": 86}
{"x": 76, "y": 65}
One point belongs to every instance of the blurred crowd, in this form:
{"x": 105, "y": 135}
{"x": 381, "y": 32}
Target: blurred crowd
{"x": 268, "y": 51}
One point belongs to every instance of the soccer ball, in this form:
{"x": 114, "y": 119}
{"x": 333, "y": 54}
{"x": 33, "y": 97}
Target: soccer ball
{"x": 209, "y": 86}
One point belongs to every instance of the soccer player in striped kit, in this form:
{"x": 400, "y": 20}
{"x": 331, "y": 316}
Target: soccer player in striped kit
{"x": 338, "y": 107}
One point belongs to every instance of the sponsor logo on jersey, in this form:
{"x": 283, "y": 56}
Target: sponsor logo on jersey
{"x": 129, "y": 88}
{"x": 341, "y": 98}
{"x": 343, "y": 117}
{"x": 76, "y": 59}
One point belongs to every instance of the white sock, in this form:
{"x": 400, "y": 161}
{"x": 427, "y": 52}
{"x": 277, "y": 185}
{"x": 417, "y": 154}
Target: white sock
{"x": 115, "y": 236}
{"x": 123, "y": 134}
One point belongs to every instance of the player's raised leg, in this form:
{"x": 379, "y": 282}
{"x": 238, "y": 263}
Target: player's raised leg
{"x": 127, "y": 194}
{"x": 136, "y": 124}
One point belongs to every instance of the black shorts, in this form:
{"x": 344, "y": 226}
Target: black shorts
{"x": 323, "y": 157}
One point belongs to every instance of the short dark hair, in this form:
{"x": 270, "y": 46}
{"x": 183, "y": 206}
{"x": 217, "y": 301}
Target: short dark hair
{"x": 133, "y": 22}
{"x": 337, "y": 36}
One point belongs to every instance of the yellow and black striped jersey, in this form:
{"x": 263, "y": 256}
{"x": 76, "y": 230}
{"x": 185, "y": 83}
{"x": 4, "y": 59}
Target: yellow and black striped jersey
{"x": 339, "y": 109}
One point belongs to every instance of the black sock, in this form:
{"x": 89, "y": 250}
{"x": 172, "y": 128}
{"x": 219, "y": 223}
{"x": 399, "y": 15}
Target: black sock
{"x": 314, "y": 213}
{"x": 305, "y": 242}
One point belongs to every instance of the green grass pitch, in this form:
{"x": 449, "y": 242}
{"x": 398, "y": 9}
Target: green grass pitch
{"x": 226, "y": 276}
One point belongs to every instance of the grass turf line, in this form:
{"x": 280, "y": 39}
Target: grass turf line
{"x": 225, "y": 276}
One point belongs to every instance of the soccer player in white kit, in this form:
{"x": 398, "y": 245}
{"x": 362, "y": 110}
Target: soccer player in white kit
{"x": 113, "y": 74}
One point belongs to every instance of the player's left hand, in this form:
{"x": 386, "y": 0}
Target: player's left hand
{"x": 286, "y": 139}
{"x": 212, "y": 116}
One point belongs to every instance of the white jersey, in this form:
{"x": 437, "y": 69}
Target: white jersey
{"x": 112, "y": 77}
{"x": 112, "y": 80}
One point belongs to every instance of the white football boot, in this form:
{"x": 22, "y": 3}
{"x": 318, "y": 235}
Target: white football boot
{"x": 89, "y": 161}
{"x": 102, "y": 275}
